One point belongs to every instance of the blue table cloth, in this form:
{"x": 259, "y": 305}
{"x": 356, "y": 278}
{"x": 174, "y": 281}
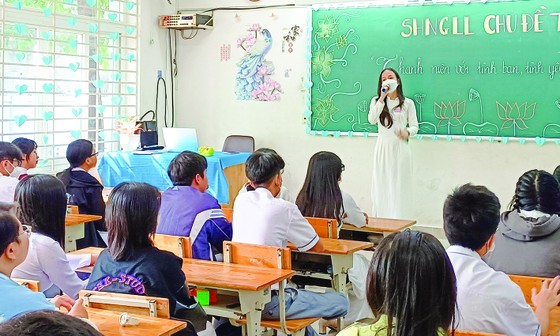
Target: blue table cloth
{"x": 117, "y": 167}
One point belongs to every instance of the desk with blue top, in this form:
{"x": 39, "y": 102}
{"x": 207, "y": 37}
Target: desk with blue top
{"x": 226, "y": 171}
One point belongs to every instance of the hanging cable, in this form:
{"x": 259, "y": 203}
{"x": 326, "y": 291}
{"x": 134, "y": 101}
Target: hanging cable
{"x": 157, "y": 101}
{"x": 172, "y": 68}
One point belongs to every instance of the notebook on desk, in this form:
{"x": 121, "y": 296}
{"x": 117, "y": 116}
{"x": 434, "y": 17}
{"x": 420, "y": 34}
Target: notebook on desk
{"x": 180, "y": 139}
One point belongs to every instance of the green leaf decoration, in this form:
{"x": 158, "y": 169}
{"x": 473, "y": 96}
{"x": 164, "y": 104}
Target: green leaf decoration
{"x": 71, "y": 21}
{"x": 112, "y": 16}
{"x": 93, "y": 27}
{"x": 77, "y": 112}
{"x": 18, "y": 5}
{"x": 91, "y": 3}
{"x": 20, "y": 120}
{"x": 48, "y": 115}
{"x": 21, "y": 28}
{"x": 130, "y": 89}
{"x": 76, "y": 134}
{"x": 98, "y": 83}
{"x": 21, "y": 89}
{"x": 96, "y": 58}
{"x": 117, "y": 100}
{"x": 47, "y": 12}
{"x": 74, "y": 66}
{"x": 45, "y": 139}
{"x": 73, "y": 43}
{"x": 48, "y": 87}
{"x": 130, "y": 5}
{"x": 130, "y": 30}
{"x": 47, "y": 60}
{"x": 47, "y": 35}
{"x": 77, "y": 92}
{"x": 20, "y": 56}
{"x": 114, "y": 36}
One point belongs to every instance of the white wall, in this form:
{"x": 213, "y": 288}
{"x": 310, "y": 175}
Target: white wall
{"x": 206, "y": 101}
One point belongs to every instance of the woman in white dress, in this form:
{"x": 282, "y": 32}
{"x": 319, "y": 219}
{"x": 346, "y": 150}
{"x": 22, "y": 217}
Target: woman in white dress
{"x": 392, "y": 162}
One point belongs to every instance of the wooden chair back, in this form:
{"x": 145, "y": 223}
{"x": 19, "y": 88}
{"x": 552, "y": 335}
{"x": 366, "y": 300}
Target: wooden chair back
{"x": 73, "y": 209}
{"x": 32, "y": 285}
{"x": 474, "y": 333}
{"x": 325, "y": 227}
{"x": 228, "y": 213}
{"x": 257, "y": 255}
{"x": 178, "y": 245}
{"x": 135, "y": 304}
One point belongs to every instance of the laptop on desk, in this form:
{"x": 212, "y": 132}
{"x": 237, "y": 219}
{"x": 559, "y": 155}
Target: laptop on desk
{"x": 180, "y": 139}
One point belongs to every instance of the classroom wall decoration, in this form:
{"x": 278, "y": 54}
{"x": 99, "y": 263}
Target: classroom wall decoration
{"x": 476, "y": 70}
{"x": 254, "y": 79}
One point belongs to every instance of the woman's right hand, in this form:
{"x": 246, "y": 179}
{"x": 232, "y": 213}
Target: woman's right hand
{"x": 383, "y": 95}
{"x": 78, "y": 309}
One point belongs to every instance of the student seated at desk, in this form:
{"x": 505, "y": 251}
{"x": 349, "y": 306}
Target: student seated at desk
{"x": 528, "y": 237}
{"x": 284, "y": 192}
{"x": 131, "y": 264}
{"x": 322, "y": 197}
{"x": 410, "y": 288}
{"x": 84, "y": 189}
{"x": 28, "y": 148}
{"x": 42, "y": 205}
{"x": 487, "y": 300}
{"x": 17, "y": 299}
{"x": 10, "y": 159}
{"x": 260, "y": 218}
{"x": 187, "y": 210}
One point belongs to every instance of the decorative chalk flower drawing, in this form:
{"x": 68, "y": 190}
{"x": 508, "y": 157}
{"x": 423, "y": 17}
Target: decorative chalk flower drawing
{"x": 475, "y": 95}
{"x": 515, "y": 115}
{"x": 254, "y": 78}
{"x": 327, "y": 28}
{"x": 419, "y": 99}
{"x": 449, "y": 114}
{"x": 322, "y": 62}
{"x": 324, "y": 109}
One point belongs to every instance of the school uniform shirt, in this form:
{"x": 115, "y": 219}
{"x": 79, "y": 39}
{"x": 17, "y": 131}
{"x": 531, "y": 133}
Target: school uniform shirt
{"x": 17, "y": 299}
{"x": 85, "y": 192}
{"x": 149, "y": 271}
{"x": 260, "y": 218}
{"x": 379, "y": 328}
{"x": 527, "y": 245}
{"x": 283, "y": 194}
{"x": 7, "y": 188}
{"x": 354, "y": 215}
{"x": 47, "y": 263}
{"x": 185, "y": 211}
{"x": 487, "y": 300}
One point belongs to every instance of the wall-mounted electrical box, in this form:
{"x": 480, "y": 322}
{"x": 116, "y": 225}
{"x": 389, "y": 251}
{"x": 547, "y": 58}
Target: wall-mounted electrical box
{"x": 186, "y": 21}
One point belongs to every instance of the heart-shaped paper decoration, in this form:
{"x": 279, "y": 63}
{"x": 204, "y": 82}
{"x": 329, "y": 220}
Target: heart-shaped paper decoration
{"x": 47, "y": 35}
{"x": 48, "y": 115}
{"x": 491, "y": 139}
{"x": 98, "y": 83}
{"x": 95, "y": 58}
{"x": 100, "y": 108}
{"x": 47, "y": 60}
{"x": 116, "y": 57}
{"x": 21, "y": 28}
{"x": 505, "y": 140}
{"x": 130, "y": 30}
{"x": 307, "y": 85}
{"x": 21, "y": 89}
{"x": 117, "y": 100}
{"x": 114, "y": 36}
{"x": 77, "y": 112}
{"x": 557, "y": 141}
{"x": 350, "y": 134}
{"x": 20, "y": 56}
{"x": 336, "y": 134}
{"x": 77, "y": 92}
{"x": 76, "y": 134}
{"x": 101, "y": 135}
{"x": 69, "y": 2}
{"x": 47, "y": 12}
{"x": 73, "y": 43}
{"x": 463, "y": 138}
{"x": 91, "y": 3}
{"x": 93, "y": 27}
{"x": 74, "y": 66}
{"x": 71, "y": 21}
{"x": 20, "y": 119}
{"x": 540, "y": 141}
{"x": 522, "y": 141}
{"x": 18, "y": 5}
{"x": 435, "y": 137}
{"x": 45, "y": 139}
{"x": 117, "y": 76}
{"x": 449, "y": 138}
{"x": 419, "y": 136}
{"x": 42, "y": 163}
{"x": 130, "y": 57}
{"x": 112, "y": 16}
{"x": 48, "y": 87}
{"x": 478, "y": 139}
{"x": 129, "y": 5}
{"x": 130, "y": 89}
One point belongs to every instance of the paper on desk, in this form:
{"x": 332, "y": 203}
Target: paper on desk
{"x": 78, "y": 260}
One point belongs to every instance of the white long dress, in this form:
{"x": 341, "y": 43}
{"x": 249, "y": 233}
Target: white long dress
{"x": 392, "y": 161}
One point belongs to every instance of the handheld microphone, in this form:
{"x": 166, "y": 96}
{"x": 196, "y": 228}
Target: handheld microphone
{"x": 385, "y": 88}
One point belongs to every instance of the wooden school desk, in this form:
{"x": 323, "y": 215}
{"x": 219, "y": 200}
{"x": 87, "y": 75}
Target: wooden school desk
{"x": 248, "y": 287}
{"x": 75, "y": 228}
{"x": 385, "y": 226}
{"x": 108, "y": 323}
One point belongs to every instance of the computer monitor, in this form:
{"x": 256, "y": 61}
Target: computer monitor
{"x": 180, "y": 139}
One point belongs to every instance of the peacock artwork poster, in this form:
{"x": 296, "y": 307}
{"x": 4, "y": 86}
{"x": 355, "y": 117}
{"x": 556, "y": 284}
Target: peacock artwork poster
{"x": 254, "y": 78}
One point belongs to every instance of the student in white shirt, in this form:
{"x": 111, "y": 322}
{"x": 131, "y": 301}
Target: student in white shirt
{"x": 487, "y": 300}
{"x": 260, "y": 218}
{"x": 42, "y": 205}
{"x": 284, "y": 192}
{"x": 10, "y": 159}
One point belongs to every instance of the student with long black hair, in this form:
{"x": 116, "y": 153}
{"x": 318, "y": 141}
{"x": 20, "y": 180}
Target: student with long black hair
{"x": 84, "y": 189}
{"x": 28, "y": 148}
{"x": 410, "y": 288}
{"x": 528, "y": 237}
{"x": 392, "y": 159}
{"x": 42, "y": 206}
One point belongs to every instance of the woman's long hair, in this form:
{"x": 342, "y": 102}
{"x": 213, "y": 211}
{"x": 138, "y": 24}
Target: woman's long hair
{"x": 411, "y": 280}
{"x": 537, "y": 190}
{"x": 77, "y": 153}
{"x": 131, "y": 218}
{"x": 385, "y": 118}
{"x": 320, "y": 195}
{"x": 42, "y": 204}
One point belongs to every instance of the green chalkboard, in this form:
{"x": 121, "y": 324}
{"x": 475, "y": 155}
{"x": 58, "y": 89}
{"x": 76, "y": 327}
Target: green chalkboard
{"x": 478, "y": 69}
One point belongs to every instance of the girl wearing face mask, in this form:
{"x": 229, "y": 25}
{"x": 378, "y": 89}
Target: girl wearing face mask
{"x": 392, "y": 162}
